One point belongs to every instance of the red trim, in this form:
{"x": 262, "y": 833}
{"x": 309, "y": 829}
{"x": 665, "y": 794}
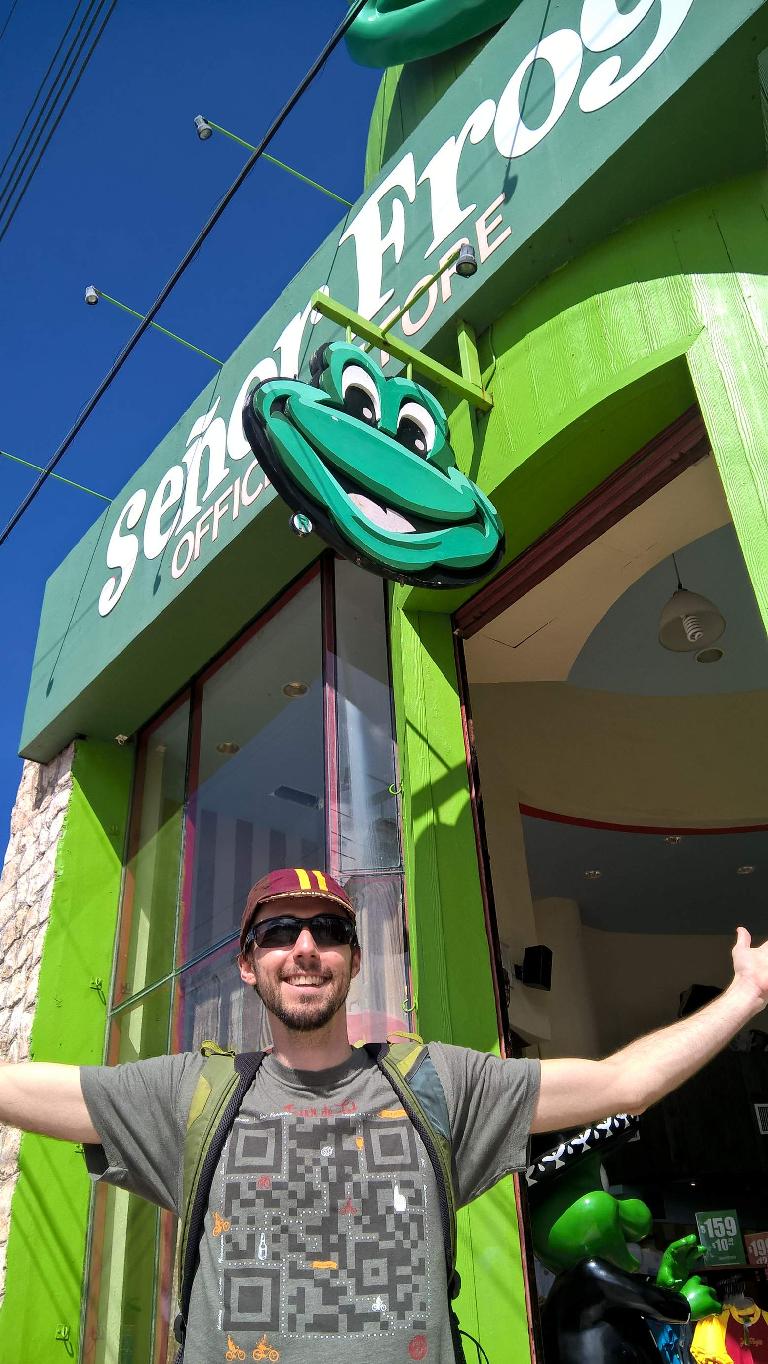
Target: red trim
{"x": 683, "y": 443}
{"x": 686, "y": 829}
{"x": 164, "y": 1285}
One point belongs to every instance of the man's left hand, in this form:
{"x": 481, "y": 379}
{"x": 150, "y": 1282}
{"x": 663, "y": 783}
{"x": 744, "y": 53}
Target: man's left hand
{"x": 750, "y": 966}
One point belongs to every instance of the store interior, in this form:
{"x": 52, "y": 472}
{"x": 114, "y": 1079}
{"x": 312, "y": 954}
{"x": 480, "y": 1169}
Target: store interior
{"x": 624, "y": 788}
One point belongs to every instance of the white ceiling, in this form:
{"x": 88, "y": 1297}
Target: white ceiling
{"x": 538, "y": 638}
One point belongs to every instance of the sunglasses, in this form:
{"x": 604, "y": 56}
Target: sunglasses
{"x": 328, "y": 930}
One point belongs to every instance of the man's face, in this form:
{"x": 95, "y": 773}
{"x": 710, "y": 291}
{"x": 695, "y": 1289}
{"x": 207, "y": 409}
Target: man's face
{"x": 304, "y": 986}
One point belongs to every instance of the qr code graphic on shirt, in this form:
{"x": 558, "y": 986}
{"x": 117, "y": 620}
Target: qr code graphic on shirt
{"x": 322, "y": 1227}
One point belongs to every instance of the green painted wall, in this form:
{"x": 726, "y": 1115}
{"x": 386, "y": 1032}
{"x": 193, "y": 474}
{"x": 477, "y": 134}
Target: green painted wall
{"x": 449, "y": 953}
{"x": 49, "y": 1214}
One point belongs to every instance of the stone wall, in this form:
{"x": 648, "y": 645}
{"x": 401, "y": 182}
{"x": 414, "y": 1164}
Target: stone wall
{"x": 26, "y": 887}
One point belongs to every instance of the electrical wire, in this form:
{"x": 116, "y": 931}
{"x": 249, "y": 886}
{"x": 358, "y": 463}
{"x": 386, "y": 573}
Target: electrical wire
{"x": 40, "y": 88}
{"x": 51, "y": 94}
{"x": 60, "y": 116}
{"x": 9, "y": 16}
{"x": 186, "y": 260}
{"x": 32, "y": 142}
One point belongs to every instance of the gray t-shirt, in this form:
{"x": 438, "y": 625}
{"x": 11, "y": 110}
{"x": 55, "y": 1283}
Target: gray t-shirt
{"x": 323, "y": 1221}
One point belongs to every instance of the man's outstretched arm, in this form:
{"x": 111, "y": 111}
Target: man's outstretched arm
{"x": 574, "y": 1092}
{"x": 40, "y": 1097}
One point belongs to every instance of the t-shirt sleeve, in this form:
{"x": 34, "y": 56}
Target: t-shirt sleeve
{"x": 140, "y": 1113}
{"x": 490, "y": 1105}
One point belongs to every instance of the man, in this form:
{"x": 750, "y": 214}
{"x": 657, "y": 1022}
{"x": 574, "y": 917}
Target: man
{"x": 323, "y": 1225}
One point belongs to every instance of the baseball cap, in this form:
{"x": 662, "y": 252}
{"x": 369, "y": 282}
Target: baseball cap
{"x": 291, "y": 882}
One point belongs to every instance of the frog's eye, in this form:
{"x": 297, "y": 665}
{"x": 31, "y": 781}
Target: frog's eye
{"x": 360, "y": 394}
{"x": 416, "y": 428}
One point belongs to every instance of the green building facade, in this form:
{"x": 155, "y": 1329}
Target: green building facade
{"x": 238, "y": 696}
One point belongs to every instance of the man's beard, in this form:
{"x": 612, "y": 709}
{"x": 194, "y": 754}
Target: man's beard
{"x": 306, "y": 1017}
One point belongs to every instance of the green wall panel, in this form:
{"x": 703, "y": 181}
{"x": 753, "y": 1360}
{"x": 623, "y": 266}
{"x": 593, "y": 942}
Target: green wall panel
{"x": 449, "y": 950}
{"x": 49, "y": 1213}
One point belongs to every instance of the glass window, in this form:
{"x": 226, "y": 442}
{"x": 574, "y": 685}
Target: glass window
{"x": 281, "y": 754}
{"x": 213, "y": 1004}
{"x": 368, "y": 838}
{"x": 151, "y": 889}
{"x": 258, "y": 779}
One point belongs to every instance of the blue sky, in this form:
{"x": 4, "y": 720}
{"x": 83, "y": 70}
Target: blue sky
{"x": 120, "y": 193}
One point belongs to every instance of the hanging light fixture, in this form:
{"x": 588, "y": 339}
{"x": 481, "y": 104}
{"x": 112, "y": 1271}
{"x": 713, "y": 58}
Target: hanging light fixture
{"x": 689, "y": 622}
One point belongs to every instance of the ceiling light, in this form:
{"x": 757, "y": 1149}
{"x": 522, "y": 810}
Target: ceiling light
{"x": 297, "y": 797}
{"x": 710, "y": 656}
{"x": 228, "y": 747}
{"x": 466, "y": 265}
{"x": 294, "y": 689}
{"x": 689, "y": 622}
{"x": 203, "y": 128}
{"x": 593, "y": 875}
{"x": 673, "y": 839}
{"x": 746, "y": 870}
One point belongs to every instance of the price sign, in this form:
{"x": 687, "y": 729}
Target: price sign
{"x": 720, "y": 1235}
{"x": 757, "y": 1247}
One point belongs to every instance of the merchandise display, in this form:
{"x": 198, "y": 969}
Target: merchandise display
{"x": 599, "y": 1308}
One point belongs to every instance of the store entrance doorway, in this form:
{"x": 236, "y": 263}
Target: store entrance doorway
{"x": 623, "y": 794}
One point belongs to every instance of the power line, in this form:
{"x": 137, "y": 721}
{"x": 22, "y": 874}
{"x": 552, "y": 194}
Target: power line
{"x": 50, "y": 94}
{"x": 32, "y": 142}
{"x": 40, "y": 87}
{"x": 9, "y": 16}
{"x": 59, "y": 477}
{"x": 186, "y": 260}
{"x": 60, "y": 116}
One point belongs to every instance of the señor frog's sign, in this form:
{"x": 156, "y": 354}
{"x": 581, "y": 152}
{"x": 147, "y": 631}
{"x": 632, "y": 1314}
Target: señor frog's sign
{"x": 370, "y": 461}
{"x": 463, "y": 174}
{"x": 516, "y": 157}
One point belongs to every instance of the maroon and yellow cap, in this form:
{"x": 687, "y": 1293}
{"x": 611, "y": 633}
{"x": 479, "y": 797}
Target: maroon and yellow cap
{"x": 290, "y": 882}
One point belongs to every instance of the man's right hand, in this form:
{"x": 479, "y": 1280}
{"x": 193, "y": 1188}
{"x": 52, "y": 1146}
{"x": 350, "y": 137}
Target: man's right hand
{"x": 41, "y": 1097}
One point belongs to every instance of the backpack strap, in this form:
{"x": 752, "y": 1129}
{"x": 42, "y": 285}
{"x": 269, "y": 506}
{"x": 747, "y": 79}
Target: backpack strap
{"x": 221, "y": 1087}
{"x": 412, "y": 1074}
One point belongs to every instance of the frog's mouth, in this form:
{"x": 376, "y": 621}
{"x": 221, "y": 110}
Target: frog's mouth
{"x": 385, "y": 518}
{"x": 379, "y": 503}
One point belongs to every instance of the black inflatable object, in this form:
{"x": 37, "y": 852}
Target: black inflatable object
{"x": 595, "y": 1315}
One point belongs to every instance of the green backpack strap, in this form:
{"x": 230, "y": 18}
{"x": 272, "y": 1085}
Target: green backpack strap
{"x": 412, "y": 1074}
{"x": 221, "y": 1087}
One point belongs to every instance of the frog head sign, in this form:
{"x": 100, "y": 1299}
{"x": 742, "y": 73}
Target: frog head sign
{"x": 368, "y": 460}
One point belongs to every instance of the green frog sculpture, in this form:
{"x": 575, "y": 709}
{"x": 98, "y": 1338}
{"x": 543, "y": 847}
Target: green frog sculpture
{"x": 601, "y": 1309}
{"x": 367, "y": 460}
{"x": 387, "y": 32}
